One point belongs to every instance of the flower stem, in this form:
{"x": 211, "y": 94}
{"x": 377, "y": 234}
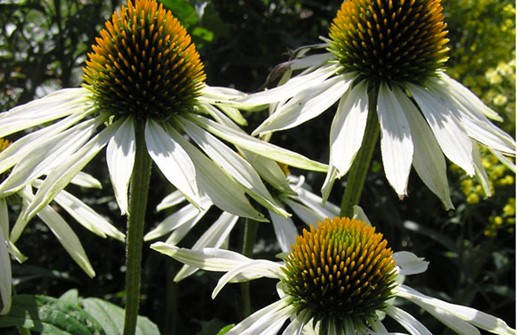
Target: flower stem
{"x": 357, "y": 175}
{"x": 250, "y": 235}
{"x": 135, "y": 228}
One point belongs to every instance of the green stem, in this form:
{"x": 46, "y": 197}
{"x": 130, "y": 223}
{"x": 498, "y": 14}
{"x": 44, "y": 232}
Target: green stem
{"x": 357, "y": 174}
{"x": 250, "y": 235}
{"x": 135, "y": 228}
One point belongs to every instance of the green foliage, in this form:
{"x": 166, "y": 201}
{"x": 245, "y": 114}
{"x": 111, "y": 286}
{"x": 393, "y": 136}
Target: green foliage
{"x": 70, "y": 315}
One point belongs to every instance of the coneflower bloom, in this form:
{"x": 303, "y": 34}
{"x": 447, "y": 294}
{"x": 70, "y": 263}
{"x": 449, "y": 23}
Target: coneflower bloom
{"x": 384, "y": 65}
{"x": 143, "y": 76}
{"x": 292, "y": 194}
{"x": 340, "y": 277}
{"x": 68, "y": 203}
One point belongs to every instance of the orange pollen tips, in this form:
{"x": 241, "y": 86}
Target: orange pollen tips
{"x": 340, "y": 272}
{"x": 144, "y": 64}
{"x": 390, "y": 40}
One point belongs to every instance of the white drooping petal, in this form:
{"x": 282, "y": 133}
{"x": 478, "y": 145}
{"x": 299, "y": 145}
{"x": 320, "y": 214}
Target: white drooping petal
{"x": 87, "y": 217}
{"x": 480, "y": 170}
{"x": 428, "y": 159}
{"x": 292, "y": 87}
{"x": 51, "y": 152}
{"x": 406, "y": 320}
{"x": 210, "y": 259}
{"x": 234, "y": 165}
{"x": 253, "y": 269}
{"x": 270, "y": 171}
{"x": 5, "y": 261}
{"x": 472, "y": 114}
{"x": 172, "y": 160}
{"x": 85, "y": 180}
{"x": 268, "y": 150}
{"x": 66, "y": 237}
{"x": 306, "y": 105}
{"x": 213, "y": 182}
{"x": 409, "y": 263}
{"x": 465, "y": 97}
{"x": 347, "y": 130}
{"x": 396, "y": 140}
{"x": 447, "y": 129}
{"x": 57, "y": 180}
{"x": 214, "y": 237}
{"x": 267, "y": 320}
{"x": 120, "y": 157}
{"x": 477, "y": 318}
{"x": 19, "y": 149}
{"x": 285, "y": 231}
{"x": 53, "y": 106}
{"x": 175, "y": 220}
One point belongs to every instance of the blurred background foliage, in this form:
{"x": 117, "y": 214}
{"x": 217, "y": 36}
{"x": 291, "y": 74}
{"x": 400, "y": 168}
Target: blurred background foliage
{"x": 43, "y": 45}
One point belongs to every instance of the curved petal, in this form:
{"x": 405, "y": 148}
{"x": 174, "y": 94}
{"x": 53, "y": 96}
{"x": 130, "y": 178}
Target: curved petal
{"x": 267, "y": 320}
{"x": 306, "y": 105}
{"x": 170, "y": 200}
{"x": 85, "y": 180}
{"x": 285, "y": 231}
{"x": 172, "y": 160}
{"x": 213, "y": 237}
{"x": 57, "y": 180}
{"x": 439, "y": 307}
{"x": 347, "y": 130}
{"x": 396, "y": 140}
{"x": 449, "y": 133}
{"x": 262, "y": 148}
{"x": 409, "y": 263}
{"x": 120, "y": 157}
{"x": 53, "y": 106}
{"x": 428, "y": 159}
{"x": 406, "y": 320}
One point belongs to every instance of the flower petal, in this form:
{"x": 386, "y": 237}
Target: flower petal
{"x": 396, "y": 141}
{"x": 223, "y": 191}
{"x": 449, "y": 133}
{"x": 347, "y": 130}
{"x": 409, "y": 263}
{"x": 85, "y": 180}
{"x": 61, "y": 175}
{"x": 428, "y": 159}
{"x": 477, "y": 318}
{"x": 177, "y": 219}
{"x": 243, "y": 140}
{"x": 170, "y": 200}
{"x": 172, "y": 160}
{"x": 51, "y": 152}
{"x": 285, "y": 231}
{"x": 53, "y": 106}
{"x": 406, "y": 320}
{"x": 291, "y": 87}
{"x": 306, "y": 105}
{"x": 234, "y": 165}
{"x": 87, "y": 217}
{"x": 214, "y": 237}
{"x": 267, "y": 320}
{"x": 120, "y": 157}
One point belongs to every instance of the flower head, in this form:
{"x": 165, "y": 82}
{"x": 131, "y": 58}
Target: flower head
{"x": 339, "y": 278}
{"x": 144, "y": 64}
{"x": 385, "y": 65}
{"x": 143, "y": 78}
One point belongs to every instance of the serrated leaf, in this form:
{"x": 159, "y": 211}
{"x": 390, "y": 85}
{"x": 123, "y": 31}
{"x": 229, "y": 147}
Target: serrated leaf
{"x": 49, "y": 315}
{"x": 111, "y": 318}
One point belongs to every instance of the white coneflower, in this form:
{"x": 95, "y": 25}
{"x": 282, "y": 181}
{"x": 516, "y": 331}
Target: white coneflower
{"x": 143, "y": 79}
{"x": 339, "y": 278}
{"x": 385, "y": 66}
